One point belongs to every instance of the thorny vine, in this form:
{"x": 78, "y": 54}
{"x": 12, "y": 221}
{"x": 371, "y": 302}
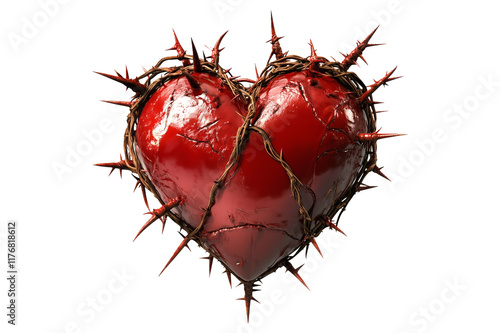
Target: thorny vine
{"x": 158, "y": 75}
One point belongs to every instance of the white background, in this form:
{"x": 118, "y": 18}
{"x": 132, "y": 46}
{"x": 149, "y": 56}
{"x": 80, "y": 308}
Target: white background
{"x": 427, "y": 242}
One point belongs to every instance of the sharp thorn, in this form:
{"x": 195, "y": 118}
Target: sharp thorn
{"x": 313, "y": 241}
{"x": 216, "y": 50}
{"x": 146, "y": 225}
{"x": 248, "y": 286}
{"x": 276, "y": 47}
{"x": 273, "y": 30}
{"x": 121, "y": 165}
{"x": 143, "y": 190}
{"x": 180, "y": 50}
{"x": 376, "y": 85}
{"x": 313, "y": 51}
{"x": 295, "y": 272}
{"x": 121, "y": 103}
{"x": 210, "y": 262}
{"x": 331, "y": 225}
{"x": 379, "y": 172}
{"x": 196, "y": 59}
{"x": 179, "y": 249}
{"x": 373, "y": 102}
{"x": 159, "y": 213}
{"x": 364, "y": 187}
{"x": 363, "y": 58}
{"x": 163, "y": 223}
{"x": 376, "y": 136}
{"x": 228, "y": 273}
{"x": 136, "y": 184}
{"x": 187, "y": 246}
{"x": 351, "y": 58}
{"x": 314, "y": 60}
{"x": 192, "y": 81}
{"x": 334, "y": 226}
{"x": 133, "y": 84}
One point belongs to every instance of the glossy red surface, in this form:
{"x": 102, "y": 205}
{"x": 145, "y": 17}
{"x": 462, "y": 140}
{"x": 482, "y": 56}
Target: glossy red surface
{"x": 185, "y": 137}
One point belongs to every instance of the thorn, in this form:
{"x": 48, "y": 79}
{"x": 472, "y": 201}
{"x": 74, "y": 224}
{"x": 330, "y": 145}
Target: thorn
{"x": 350, "y": 59}
{"x": 210, "y": 262}
{"x": 248, "y": 297}
{"x": 313, "y": 241}
{"x": 133, "y": 84}
{"x": 334, "y": 226}
{"x": 363, "y": 58}
{"x": 143, "y": 189}
{"x": 379, "y": 172}
{"x": 313, "y": 51}
{"x": 159, "y": 214}
{"x": 216, "y": 51}
{"x": 276, "y": 47}
{"x": 313, "y": 58}
{"x": 196, "y": 59}
{"x": 121, "y": 103}
{"x": 345, "y": 56}
{"x": 192, "y": 81}
{"x": 179, "y": 249}
{"x": 229, "y": 278}
{"x": 257, "y": 72}
{"x": 295, "y": 272}
{"x": 330, "y": 224}
{"x": 364, "y": 187}
{"x": 180, "y": 51}
{"x": 377, "y": 84}
{"x": 376, "y": 136}
{"x": 369, "y": 102}
{"x": 121, "y": 165}
{"x": 187, "y": 246}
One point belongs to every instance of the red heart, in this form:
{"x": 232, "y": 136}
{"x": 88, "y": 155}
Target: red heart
{"x": 252, "y": 174}
{"x": 185, "y": 136}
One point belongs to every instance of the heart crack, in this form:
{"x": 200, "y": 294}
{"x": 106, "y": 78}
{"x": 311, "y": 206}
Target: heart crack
{"x": 248, "y": 225}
